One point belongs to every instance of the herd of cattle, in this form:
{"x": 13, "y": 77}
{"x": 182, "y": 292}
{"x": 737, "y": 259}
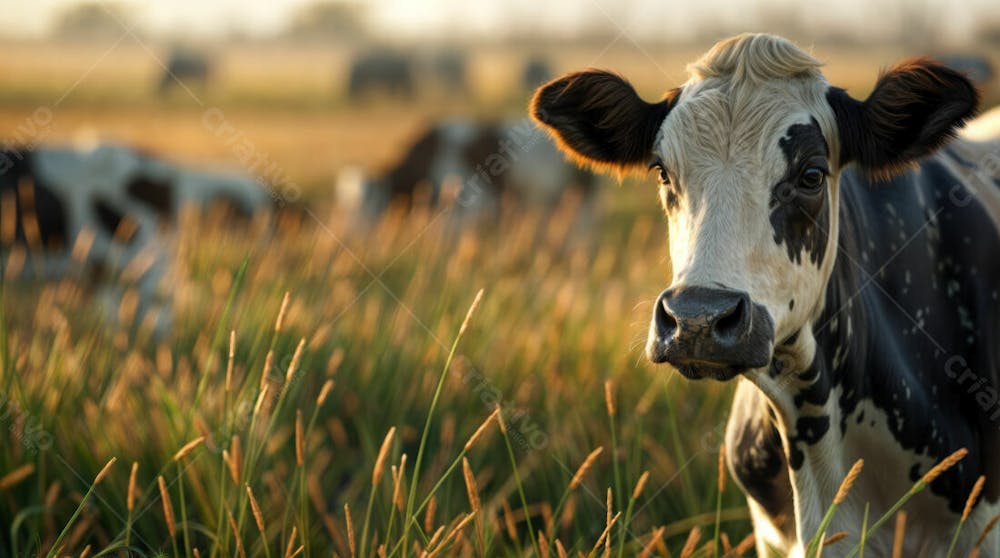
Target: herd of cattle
{"x": 376, "y": 71}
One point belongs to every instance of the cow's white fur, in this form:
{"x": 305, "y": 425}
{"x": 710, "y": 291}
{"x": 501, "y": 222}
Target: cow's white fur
{"x": 720, "y": 144}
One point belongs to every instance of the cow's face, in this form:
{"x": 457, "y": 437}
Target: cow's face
{"x": 748, "y": 155}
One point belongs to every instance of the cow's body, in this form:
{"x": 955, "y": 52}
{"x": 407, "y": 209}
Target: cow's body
{"x": 838, "y": 258}
{"x": 911, "y": 305}
{"x": 108, "y": 212}
{"x": 477, "y": 163}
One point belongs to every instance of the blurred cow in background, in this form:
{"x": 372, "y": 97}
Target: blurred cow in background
{"x": 106, "y": 213}
{"x": 449, "y": 70}
{"x": 381, "y": 70}
{"x": 536, "y": 72}
{"x": 185, "y": 68}
{"x": 475, "y": 166}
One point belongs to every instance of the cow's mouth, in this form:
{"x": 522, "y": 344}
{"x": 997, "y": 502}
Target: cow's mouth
{"x": 709, "y": 370}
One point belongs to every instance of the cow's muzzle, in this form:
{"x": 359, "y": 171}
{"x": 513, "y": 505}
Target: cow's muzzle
{"x": 709, "y": 332}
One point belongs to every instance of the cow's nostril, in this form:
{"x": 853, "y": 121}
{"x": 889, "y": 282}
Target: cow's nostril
{"x": 666, "y": 324}
{"x": 731, "y": 323}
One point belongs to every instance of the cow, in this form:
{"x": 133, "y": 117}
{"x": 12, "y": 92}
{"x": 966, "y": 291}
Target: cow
{"x": 479, "y": 164}
{"x": 449, "y": 69}
{"x": 536, "y": 71}
{"x": 381, "y": 70}
{"x": 185, "y": 67}
{"x": 837, "y": 260}
{"x": 106, "y": 211}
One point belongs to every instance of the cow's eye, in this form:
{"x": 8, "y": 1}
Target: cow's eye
{"x": 812, "y": 178}
{"x": 662, "y": 175}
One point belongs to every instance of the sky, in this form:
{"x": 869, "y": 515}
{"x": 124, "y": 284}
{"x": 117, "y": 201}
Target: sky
{"x": 415, "y": 18}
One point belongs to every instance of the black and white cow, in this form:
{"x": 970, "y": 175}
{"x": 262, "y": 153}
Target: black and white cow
{"x": 839, "y": 260}
{"x": 479, "y": 164}
{"x": 107, "y": 211}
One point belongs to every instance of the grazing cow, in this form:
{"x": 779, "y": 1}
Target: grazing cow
{"x": 187, "y": 67}
{"x": 450, "y": 70}
{"x": 106, "y": 211}
{"x": 478, "y": 163}
{"x": 837, "y": 258}
{"x": 536, "y": 72}
{"x": 381, "y": 70}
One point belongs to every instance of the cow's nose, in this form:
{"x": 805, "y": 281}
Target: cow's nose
{"x": 709, "y": 331}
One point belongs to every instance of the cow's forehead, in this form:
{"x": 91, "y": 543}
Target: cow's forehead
{"x": 753, "y": 133}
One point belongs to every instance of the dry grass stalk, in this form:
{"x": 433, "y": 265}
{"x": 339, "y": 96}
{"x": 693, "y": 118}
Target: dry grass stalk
{"x": 300, "y": 445}
{"x": 383, "y": 454}
{"x": 429, "y": 513}
{"x": 86, "y": 552}
{"x": 640, "y": 485}
{"x": 236, "y": 534}
{"x": 291, "y": 543}
{"x": 104, "y": 472}
{"x": 720, "y": 482}
{"x": 608, "y": 506}
{"x": 471, "y": 488}
{"x": 397, "y": 483}
{"x": 654, "y": 541}
{"x": 560, "y": 550}
{"x": 500, "y": 421}
{"x": 168, "y": 508}
{"x": 130, "y": 497}
{"x": 260, "y": 400}
{"x": 266, "y": 373}
{"x": 584, "y": 467}
{"x": 691, "y": 543}
{"x": 350, "y": 530}
{"x": 324, "y": 392}
{"x": 235, "y": 460}
{"x": 508, "y": 521}
{"x": 258, "y": 517}
{"x": 472, "y": 310}
{"x": 543, "y": 544}
{"x": 835, "y": 538}
{"x": 945, "y": 464}
{"x": 986, "y": 530}
{"x": 294, "y": 365}
{"x": 188, "y": 448}
{"x": 745, "y": 545}
{"x": 609, "y": 397}
{"x": 848, "y": 482}
{"x": 973, "y": 496}
{"x": 279, "y": 323}
{"x": 230, "y": 362}
{"x": 482, "y": 428}
{"x": 461, "y": 524}
{"x": 605, "y": 535}
{"x": 898, "y": 537}
{"x": 727, "y": 547}
{"x": 16, "y": 476}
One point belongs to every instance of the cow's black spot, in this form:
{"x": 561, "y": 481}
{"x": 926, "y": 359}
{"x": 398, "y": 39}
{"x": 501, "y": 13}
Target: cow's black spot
{"x": 110, "y": 218}
{"x": 33, "y": 200}
{"x": 809, "y": 430}
{"x": 799, "y": 216}
{"x": 157, "y": 194}
{"x": 758, "y": 463}
{"x": 791, "y": 305}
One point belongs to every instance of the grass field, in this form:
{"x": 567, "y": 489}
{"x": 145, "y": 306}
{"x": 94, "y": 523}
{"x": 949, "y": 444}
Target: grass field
{"x": 323, "y": 382}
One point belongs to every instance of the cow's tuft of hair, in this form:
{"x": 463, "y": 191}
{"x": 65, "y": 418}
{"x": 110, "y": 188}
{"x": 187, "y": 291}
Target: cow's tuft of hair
{"x": 754, "y": 58}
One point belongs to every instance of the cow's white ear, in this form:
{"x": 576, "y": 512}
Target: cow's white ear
{"x": 915, "y": 108}
{"x": 599, "y": 119}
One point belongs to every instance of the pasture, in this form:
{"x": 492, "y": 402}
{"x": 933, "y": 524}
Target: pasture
{"x": 299, "y": 346}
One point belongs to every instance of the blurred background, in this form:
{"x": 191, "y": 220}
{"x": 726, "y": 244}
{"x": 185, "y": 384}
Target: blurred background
{"x": 218, "y": 217}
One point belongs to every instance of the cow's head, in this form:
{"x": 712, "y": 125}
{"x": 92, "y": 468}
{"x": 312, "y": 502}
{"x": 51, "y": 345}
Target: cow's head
{"x": 749, "y": 153}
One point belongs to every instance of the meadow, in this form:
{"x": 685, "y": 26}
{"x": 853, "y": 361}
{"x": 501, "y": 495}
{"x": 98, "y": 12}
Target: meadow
{"x": 327, "y": 389}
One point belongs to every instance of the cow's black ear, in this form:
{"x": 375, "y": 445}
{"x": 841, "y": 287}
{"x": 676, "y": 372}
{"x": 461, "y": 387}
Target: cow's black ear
{"x": 915, "y": 108}
{"x": 599, "y": 119}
